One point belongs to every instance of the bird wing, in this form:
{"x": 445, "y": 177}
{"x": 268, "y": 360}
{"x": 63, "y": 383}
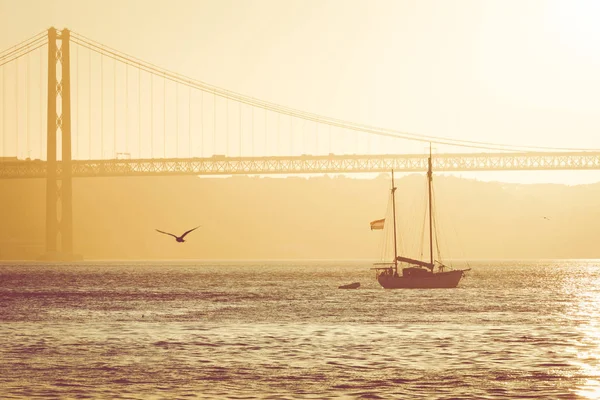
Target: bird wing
{"x": 193, "y": 229}
{"x": 167, "y": 233}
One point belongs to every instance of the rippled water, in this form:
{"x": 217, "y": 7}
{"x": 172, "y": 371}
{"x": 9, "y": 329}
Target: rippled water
{"x": 283, "y": 330}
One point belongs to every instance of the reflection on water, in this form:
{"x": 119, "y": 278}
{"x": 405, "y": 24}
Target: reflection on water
{"x": 510, "y": 330}
{"x": 586, "y": 319}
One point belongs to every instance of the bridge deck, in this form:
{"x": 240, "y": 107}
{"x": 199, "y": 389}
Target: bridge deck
{"x": 221, "y": 165}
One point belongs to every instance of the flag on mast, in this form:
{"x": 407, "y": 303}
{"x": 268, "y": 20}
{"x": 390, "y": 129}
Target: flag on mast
{"x": 377, "y": 224}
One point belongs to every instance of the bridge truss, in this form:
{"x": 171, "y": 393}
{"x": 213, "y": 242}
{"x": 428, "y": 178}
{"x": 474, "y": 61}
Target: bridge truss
{"x": 308, "y": 164}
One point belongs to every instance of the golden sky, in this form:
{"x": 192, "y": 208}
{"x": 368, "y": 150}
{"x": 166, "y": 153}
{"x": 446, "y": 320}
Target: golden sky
{"x": 514, "y": 72}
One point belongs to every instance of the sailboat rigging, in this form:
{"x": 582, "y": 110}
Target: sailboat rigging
{"x": 418, "y": 273}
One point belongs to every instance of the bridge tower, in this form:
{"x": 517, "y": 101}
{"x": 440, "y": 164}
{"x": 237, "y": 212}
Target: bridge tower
{"x": 59, "y": 189}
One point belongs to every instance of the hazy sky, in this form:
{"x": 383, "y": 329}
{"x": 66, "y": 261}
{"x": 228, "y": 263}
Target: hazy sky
{"x": 517, "y": 72}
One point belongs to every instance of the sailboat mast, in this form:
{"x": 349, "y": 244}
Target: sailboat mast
{"x": 429, "y": 179}
{"x": 394, "y": 219}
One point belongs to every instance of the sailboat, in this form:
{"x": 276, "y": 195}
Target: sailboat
{"x": 415, "y": 273}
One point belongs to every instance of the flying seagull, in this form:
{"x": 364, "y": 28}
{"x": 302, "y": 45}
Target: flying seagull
{"x": 179, "y": 238}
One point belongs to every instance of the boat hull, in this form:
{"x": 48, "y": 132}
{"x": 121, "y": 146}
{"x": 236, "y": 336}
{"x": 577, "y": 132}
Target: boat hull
{"x": 439, "y": 280}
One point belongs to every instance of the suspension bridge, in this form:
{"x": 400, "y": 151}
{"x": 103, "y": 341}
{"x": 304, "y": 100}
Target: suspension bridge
{"x": 71, "y": 107}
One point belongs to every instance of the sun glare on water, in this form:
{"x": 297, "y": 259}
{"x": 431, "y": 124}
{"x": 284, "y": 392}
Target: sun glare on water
{"x": 587, "y": 348}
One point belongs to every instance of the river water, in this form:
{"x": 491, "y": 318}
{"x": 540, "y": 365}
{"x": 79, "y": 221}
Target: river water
{"x": 512, "y": 329}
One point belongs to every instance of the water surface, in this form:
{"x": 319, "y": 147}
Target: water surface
{"x": 283, "y": 330}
